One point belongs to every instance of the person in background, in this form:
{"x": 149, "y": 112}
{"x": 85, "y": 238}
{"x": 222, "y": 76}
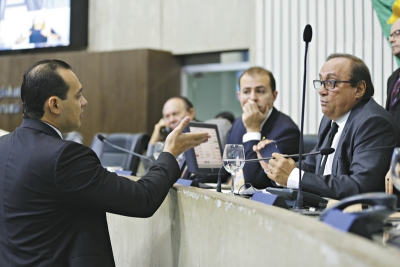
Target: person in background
{"x": 226, "y": 115}
{"x": 55, "y": 193}
{"x": 261, "y": 121}
{"x": 393, "y": 90}
{"x": 362, "y": 133}
{"x": 174, "y": 110}
{"x": 39, "y": 32}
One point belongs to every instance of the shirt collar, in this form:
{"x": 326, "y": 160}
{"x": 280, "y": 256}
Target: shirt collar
{"x": 55, "y": 129}
{"x": 341, "y": 122}
{"x": 269, "y": 113}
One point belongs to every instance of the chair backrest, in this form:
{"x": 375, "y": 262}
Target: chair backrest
{"x": 310, "y": 141}
{"x": 110, "y": 156}
{"x": 97, "y": 145}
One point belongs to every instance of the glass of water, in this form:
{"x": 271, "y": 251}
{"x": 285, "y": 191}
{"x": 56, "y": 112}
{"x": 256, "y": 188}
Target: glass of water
{"x": 158, "y": 148}
{"x": 233, "y": 160}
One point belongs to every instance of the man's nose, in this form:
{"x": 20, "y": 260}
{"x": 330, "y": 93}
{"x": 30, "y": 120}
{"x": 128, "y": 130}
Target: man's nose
{"x": 84, "y": 102}
{"x": 322, "y": 90}
{"x": 253, "y": 95}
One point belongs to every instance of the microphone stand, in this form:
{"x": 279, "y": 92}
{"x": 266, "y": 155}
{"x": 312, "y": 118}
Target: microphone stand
{"x": 104, "y": 140}
{"x": 298, "y": 206}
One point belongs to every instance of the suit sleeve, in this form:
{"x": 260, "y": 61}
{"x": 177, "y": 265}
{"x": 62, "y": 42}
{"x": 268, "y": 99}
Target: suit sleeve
{"x": 287, "y": 141}
{"x": 81, "y": 180}
{"x": 362, "y": 163}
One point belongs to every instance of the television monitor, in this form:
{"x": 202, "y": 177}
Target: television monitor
{"x": 207, "y": 157}
{"x": 36, "y": 25}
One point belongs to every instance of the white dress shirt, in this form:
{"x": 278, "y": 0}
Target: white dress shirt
{"x": 293, "y": 180}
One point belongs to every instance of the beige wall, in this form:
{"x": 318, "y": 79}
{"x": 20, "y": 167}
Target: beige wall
{"x": 179, "y": 26}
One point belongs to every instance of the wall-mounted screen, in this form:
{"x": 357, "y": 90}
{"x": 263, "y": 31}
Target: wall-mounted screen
{"x": 31, "y": 25}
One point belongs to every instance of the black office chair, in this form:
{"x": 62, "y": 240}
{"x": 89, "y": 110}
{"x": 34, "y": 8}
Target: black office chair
{"x": 310, "y": 141}
{"x": 110, "y": 156}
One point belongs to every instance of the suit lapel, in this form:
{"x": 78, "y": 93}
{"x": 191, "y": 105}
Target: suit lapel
{"x": 267, "y": 127}
{"x": 391, "y": 82}
{"x": 323, "y": 139}
{"x": 354, "y": 112}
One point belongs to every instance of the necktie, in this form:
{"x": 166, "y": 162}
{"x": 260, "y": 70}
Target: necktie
{"x": 394, "y": 95}
{"x": 333, "y": 131}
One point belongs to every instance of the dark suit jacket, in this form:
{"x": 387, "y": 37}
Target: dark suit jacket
{"x": 362, "y": 157}
{"x": 396, "y": 109}
{"x": 278, "y": 127}
{"x": 55, "y": 195}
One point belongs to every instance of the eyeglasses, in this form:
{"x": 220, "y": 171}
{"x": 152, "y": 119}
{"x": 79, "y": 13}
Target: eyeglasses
{"x": 395, "y": 34}
{"x": 328, "y": 84}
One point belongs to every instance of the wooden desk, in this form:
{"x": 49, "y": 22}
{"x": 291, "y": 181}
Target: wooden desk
{"x": 197, "y": 227}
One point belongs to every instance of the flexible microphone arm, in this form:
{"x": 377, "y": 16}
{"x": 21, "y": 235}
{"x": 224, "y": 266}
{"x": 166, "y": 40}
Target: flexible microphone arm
{"x": 307, "y": 36}
{"x": 324, "y": 151}
{"x": 104, "y": 140}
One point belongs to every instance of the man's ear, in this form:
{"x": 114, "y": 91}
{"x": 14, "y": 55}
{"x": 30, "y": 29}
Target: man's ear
{"x": 192, "y": 113}
{"x": 275, "y": 94}
{"x": 54, "y": 105}
{"x": 361, "y": 89}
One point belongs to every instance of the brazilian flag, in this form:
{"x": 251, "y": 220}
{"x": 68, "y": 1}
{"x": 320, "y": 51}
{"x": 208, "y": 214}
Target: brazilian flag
{"x": 388, "y": 11}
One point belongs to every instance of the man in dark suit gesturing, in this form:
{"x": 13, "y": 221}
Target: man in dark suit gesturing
{"x": 55, "y": 193}
{"x": 360, "y": 130}
{"x": 260, "y": 120}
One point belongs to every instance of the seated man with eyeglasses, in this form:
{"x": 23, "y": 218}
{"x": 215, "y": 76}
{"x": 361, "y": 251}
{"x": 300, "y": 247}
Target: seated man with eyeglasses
{"x": 362, "y": 133}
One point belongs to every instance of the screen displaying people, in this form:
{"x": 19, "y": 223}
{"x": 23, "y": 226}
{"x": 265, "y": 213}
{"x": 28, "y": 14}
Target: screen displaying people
{"x": 46, "y": 24}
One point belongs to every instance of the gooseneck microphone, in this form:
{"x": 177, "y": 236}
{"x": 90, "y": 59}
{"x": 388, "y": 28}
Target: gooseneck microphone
{"x": 323, "y": 152}
{"x": 104, "y": 140}
{"x": 307, "y": 36}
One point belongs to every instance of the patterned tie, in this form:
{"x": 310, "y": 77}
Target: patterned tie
{"x": 394, "y": 95}
{"x": 332, "y": 133}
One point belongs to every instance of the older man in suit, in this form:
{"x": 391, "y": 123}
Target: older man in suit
{"x": 393, "y": 83}
{"x": 393, "y": 92}
{"x": 260, "y": 120}
{"x": 55, "y": 193}
{"x": 360, "y": 130}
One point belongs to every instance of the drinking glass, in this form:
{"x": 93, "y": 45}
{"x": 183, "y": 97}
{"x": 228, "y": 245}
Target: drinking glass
{"x": 158, "y": 148}
{"x": 233, "y": 160}
{"x": 395, "y": 168}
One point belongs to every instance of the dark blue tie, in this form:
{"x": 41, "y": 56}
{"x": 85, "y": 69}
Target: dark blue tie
{"x": 332, "y": 133}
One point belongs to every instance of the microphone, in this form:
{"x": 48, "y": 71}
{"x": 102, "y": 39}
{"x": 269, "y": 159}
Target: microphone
{"x": 104, "y": 140}
{"x": 307, "y": 36}
{"x": 323, "y": 152}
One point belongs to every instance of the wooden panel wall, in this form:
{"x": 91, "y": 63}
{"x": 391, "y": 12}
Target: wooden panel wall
{"x": 125, "y": 90}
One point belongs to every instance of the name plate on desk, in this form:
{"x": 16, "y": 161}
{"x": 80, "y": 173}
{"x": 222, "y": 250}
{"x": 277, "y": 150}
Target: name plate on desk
{"x": 269, "y": 199}
{"x": 346, "y": 222}
{"x": 184, "y": 182}
{"x": 123, "y": 172}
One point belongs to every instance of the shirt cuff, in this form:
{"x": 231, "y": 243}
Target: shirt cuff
{"x": 293, "y": 180}
{"x": 251, "y": 136}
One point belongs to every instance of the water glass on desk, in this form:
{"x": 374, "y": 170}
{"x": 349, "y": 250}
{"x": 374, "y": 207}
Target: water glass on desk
{"x": 233, "y": 160}
{"x": 158, "y": 148}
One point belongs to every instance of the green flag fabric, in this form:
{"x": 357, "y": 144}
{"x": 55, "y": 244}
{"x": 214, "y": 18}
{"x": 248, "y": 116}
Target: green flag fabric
{"x": 388, "y": 11}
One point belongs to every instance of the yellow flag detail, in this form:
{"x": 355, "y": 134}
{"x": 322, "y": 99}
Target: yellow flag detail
{"x": 395, "y": 12}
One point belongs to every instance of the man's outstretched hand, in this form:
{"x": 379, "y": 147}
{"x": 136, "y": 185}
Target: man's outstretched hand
{"x": 178, "y": 142}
